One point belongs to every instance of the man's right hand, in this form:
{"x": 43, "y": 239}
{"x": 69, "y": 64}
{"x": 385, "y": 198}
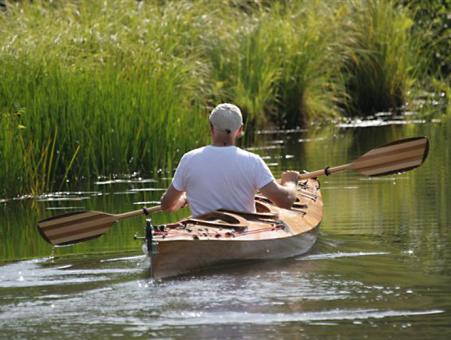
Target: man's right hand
{"x": 289, "y": 176}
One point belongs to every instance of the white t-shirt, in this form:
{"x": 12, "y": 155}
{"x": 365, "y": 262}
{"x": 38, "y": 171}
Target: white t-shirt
{"x": 221, "y": 178}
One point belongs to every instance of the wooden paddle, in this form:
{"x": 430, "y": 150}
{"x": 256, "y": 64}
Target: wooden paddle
{"x": 81, "y": 226}
{"x": 397, "y": 157}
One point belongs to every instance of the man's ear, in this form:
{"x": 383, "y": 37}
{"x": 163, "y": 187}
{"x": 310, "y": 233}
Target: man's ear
{"x": 239, "y": 132}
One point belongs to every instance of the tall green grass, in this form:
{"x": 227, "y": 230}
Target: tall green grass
{"x": 105, "y": 87}
{"x": 96, "y": 99}
{"x": 381, "y": 60}
{"x": 279, "y": 65}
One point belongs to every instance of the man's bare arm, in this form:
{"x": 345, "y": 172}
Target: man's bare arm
{"x": 283, "y": 194}
{"x": 173, "y": 199}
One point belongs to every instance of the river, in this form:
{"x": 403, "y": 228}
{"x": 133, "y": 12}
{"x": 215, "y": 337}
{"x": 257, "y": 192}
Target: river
{"x": 381, "y": 267}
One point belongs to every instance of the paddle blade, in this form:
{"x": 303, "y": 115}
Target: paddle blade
{"x": 75, "y": 227}
{"x": 400, "y": 156}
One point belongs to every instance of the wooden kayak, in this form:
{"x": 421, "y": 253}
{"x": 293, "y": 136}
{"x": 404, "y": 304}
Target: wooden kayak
{"x": 223, "y": 236}
{"x": 229, "y": 236}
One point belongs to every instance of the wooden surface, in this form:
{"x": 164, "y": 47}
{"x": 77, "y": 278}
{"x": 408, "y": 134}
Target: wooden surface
{"x": 84, "y": 225}
{"x": 278, "y": 233}
{"x": 399, "y": 156}
{"x": 75, "y": 227}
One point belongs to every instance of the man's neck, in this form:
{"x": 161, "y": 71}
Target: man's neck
{"x": 222, "y": 143}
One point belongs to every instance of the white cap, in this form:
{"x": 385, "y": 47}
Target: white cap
{"x": 226, "y": 117}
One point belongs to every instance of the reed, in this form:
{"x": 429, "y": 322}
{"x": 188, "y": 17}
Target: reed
{"x": 311, "y": 83}
{"x": 381, "y": 56}
{"x": 114, "y": 87}
{"x": 96, "y": 99}
{"x": 278, "y": 64}
{"x": 11, "y": 164}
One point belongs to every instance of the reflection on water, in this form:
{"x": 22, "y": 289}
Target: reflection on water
{"x": 381, "y": 267}
{"x": 57, "y": 297}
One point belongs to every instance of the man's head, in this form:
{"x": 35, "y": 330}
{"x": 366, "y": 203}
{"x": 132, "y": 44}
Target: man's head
{"x": 226, "y": 118}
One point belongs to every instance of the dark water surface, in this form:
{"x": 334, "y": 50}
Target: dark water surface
{"x": 381, "y": 267}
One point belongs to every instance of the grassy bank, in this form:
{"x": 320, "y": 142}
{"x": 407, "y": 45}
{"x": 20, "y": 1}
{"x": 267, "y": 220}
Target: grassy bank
{"x": 104, "y": 87}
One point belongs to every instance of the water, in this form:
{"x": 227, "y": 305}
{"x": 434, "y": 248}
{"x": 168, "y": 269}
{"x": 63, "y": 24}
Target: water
{"x": 381, "y": 267}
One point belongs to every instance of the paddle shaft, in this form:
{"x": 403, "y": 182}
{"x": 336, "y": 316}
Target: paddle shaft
{"x": 326, "y": 171}
{"x": 134, "y": 213}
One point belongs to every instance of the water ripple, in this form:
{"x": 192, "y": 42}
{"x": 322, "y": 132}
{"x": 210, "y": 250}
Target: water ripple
{"x": 338, "y": 255}
{"x": 190, "y": 318}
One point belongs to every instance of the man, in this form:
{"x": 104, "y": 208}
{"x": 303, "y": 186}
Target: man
{"x": 223, "y": 176}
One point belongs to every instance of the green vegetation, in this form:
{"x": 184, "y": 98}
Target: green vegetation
{"x": 431, "y": 21}
{"x": 382, "y": 59}
{"x": 104, "y": 87}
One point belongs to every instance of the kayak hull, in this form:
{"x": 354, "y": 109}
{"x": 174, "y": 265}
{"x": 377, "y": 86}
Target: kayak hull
{"x": 181, "y": 257}
{"x": 228, "y": 237}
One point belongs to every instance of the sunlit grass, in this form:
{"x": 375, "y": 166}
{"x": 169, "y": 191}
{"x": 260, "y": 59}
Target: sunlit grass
{"x": 382, "y": 60}
{"x": 95, "y": 99}
{"x": 280, "y": 66}
{"x": 105, "y": 87}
